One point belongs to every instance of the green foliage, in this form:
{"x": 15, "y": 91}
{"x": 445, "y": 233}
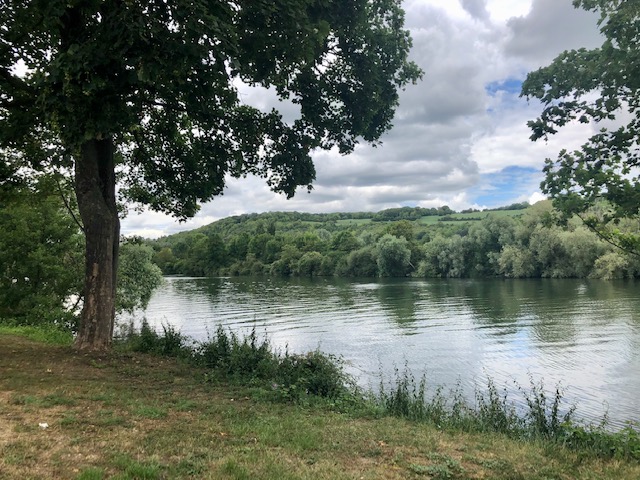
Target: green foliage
{"x": 517, "y": 262}
{"x": 543, "y": 417}
{"x": 138, "y": 276}
{"x": 596, "y": 439}
{"x": 249, "y": 357}
{"x": 590, "y": 86}
{"x": 393, "y": 256}
{"x": 289, "y": 377}
{"x": 401, "y": 229}
{"x": 165, "y": 260}
{"x": 310, "y": 264}
{"x": 409, "y": 213}
{"x": 513, "y": 244}
{"x": 362, "y": 263}
{"x": 159, "y": 82}
{"x": 314, "y": 373}
{"x": 40, "y": 254}
{"x": 171, "y": 343}
{"x": 493, "y": 411}
{"x": 345, "y": 241}
{"x": 446, "y": 468}
{"x": 288, "y": 261}
{"x": 446, "y": 257}
{"x": 488, "y": 238}
{"x": 239, "y": 246}
{"x": 41, "y": 250}
{"x": 613, "y": 265}
{"x": 406, "y": 399}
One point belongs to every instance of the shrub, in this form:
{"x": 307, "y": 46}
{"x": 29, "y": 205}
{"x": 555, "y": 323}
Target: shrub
{"x": 248, "y": 357}
{"x": 312, "y": 374}
{"x": 171, "y": 344}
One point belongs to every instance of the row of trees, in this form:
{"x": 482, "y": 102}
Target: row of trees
{"x": 530, "y": 245}
{"x": 526, "y": 248}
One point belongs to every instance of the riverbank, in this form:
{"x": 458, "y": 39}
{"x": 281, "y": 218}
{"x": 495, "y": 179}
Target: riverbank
{"x": 67, "y": 415}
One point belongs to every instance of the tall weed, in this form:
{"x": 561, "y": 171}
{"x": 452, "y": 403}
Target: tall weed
{"x": 171, "y": 343}
{"x": 543, "y": 417}
{"x": 295, "y": 377}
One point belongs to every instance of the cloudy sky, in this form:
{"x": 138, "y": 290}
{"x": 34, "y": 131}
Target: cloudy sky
{"x": 459, "y": 136}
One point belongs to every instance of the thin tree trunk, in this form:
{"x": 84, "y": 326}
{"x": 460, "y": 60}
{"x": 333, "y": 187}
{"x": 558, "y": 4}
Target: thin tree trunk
{"x": 95, "y": 191}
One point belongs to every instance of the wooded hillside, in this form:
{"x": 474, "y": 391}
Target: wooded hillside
{"x": 517, "y": 241}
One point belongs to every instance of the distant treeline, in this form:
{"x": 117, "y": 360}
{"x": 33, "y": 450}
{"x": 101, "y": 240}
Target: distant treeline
{"x": 388, "y": 215}
{"x": 518, "y": 242}
{"x": 391, "y": 214}
{"x": 409, "y": 213}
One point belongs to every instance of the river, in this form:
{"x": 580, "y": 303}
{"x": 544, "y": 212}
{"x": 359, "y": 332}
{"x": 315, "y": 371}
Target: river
{"x": 583, "y": 335}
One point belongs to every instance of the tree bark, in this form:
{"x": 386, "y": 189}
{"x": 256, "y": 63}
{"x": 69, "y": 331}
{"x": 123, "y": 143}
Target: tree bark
{"x": 95, "y": 187}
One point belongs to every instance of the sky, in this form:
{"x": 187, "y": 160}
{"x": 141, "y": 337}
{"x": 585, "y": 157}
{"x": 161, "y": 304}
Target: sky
{"x": 459, "y": 137}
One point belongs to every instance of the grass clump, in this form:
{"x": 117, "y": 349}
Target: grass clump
{"x": 170, "y": 343}
{"x": 249, "y": 359}
{"x": 542, "y": 417}
{"x": 596, "y": 439}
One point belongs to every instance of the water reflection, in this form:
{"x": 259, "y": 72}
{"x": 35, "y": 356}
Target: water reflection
{"x": 585, "y": 334}
{"x": 399, "y": 300}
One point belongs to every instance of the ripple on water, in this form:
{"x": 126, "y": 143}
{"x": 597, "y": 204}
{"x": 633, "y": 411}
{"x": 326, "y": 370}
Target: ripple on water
{"x": 585, "y": 337}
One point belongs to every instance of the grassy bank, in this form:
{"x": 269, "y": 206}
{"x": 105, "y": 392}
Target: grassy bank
{"x": 136, "y": 416}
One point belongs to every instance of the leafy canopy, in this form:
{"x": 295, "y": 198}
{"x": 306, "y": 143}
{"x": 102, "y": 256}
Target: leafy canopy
{"x": 600, "y": 181}
{"x": 40, "y": 253}
{"x": 161, "y": 79}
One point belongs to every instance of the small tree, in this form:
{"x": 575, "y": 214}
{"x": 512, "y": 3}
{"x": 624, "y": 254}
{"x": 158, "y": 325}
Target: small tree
{"x": 393, "y": 256}
{"x": 148, "y": 90}
{"x": 138, "y": 276}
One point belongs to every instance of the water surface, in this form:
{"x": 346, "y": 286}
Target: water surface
{"x": 583, "y": 334}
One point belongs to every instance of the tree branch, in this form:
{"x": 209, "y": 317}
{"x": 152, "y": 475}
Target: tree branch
{"x": 608, "y": 240}
{"x": 68, "y": 207}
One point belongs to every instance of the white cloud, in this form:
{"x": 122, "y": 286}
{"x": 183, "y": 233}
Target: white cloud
{"x": 460, "y": 135}
{"x": 502, "y": 10}
{"x": 551, "y": 27}
{"x": 536, "y": 197}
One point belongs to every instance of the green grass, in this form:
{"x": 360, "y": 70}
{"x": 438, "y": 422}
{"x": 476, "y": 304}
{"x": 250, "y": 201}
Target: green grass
{"x": 316, "y": 377}
{"x": 468, "y": 217}
{"x": 354, "y": 221}
{"x": 45, "y": 333}
{"x": 130, "y": 415}
{"x": 249, "y": 360}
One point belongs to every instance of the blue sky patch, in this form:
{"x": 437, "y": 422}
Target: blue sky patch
{"x": 508, "y": 186}
{"x": 511, "y": 86}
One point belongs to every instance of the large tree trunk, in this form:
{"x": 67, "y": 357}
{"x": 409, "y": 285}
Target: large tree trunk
{"x": 95, "y": 189}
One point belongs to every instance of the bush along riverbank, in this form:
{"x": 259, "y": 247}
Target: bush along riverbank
{"x": 162, "y": 406}
{"x": 318, "y": 376}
